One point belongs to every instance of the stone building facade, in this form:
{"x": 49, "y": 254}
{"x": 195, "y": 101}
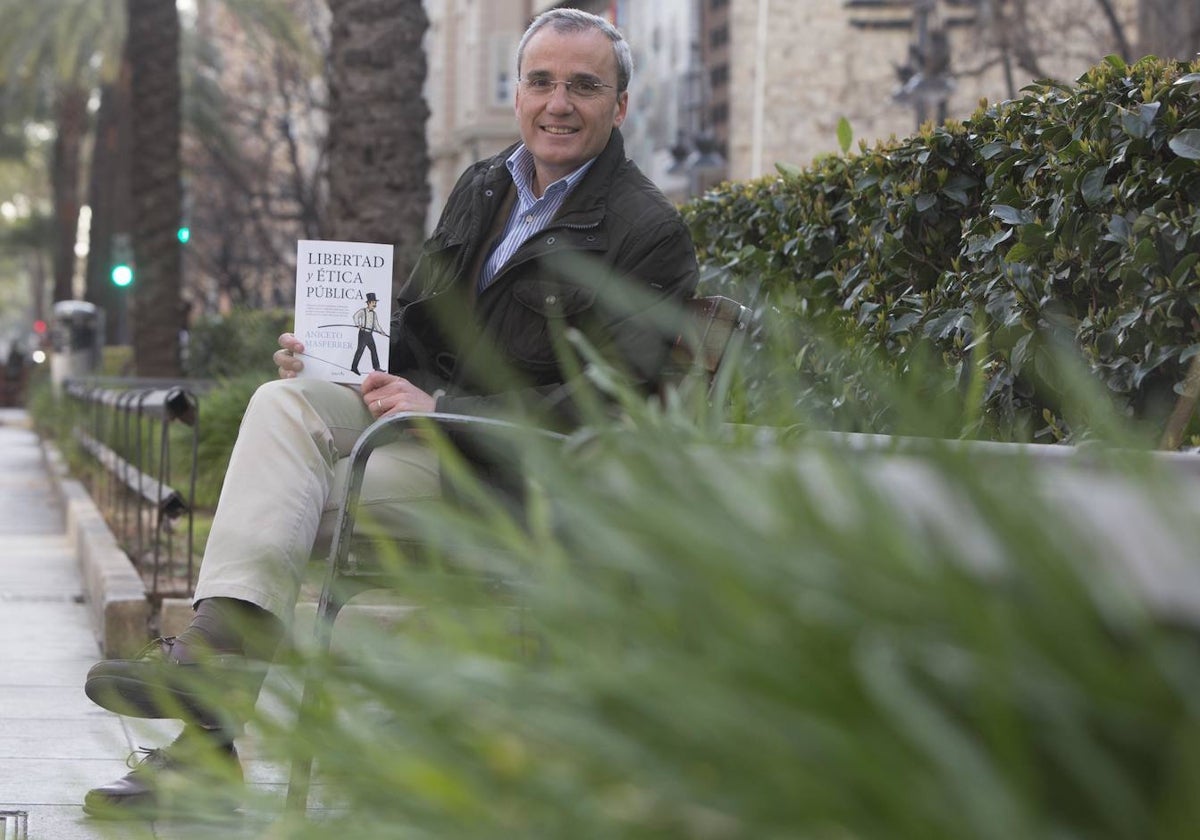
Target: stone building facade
{"x": 796, "y": 67}
{"x": 761, "y": 81}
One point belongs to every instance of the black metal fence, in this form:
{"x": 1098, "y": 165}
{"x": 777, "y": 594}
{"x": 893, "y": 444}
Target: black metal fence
{"x": 144, "y": 488}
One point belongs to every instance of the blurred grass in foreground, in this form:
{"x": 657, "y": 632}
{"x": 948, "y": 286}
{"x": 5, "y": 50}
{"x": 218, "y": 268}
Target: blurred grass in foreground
{"x": 724, "y": 632}
{"x": 724, "y": 639}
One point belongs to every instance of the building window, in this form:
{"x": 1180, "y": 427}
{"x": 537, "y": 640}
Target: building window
{"x": 719, "y": 76}
{"x": 719, "y": 37}
{"x": 503, "y": 75}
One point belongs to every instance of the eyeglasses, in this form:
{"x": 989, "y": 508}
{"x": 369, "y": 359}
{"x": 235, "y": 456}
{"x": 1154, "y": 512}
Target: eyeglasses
{"x": 576, "y": 88}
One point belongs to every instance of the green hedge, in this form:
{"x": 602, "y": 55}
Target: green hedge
{"x": 1066, "y": 218}
{"x": 238, "y": 344}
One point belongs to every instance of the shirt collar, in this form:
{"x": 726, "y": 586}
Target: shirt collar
{"x": 521, "y": 167}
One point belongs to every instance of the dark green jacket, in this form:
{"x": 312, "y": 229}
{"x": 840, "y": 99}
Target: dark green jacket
{"x": 614, "y": 264}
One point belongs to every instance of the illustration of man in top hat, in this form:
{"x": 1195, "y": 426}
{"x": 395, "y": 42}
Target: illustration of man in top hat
{"x": 368, "y": 324}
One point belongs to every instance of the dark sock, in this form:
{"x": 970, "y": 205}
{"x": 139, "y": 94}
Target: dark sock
{"x": 229, "y": 625}
{"x": 214, "y": 736}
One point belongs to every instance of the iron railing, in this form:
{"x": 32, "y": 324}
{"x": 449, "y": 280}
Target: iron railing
{"x": 124, "y": 425}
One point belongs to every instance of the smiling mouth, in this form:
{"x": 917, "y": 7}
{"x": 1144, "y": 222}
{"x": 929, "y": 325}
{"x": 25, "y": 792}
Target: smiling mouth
{"x": 558, "y": 129}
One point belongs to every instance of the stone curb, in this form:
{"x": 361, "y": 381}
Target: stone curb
{"x": 117, "y": 603}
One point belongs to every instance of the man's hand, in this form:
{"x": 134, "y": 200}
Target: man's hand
{"x": 285, "y": 357}
{"x": 384, "y": 393}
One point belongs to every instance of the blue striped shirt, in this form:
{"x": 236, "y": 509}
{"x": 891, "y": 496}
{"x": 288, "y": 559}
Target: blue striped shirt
{"x": 530, "y": 214}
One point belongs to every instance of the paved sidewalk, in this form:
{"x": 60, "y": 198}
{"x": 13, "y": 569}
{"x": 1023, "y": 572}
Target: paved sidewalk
{"x": 54, "y": 743}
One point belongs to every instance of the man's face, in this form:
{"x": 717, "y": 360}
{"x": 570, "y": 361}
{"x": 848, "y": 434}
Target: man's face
{"x": 371, "y": 304}
{"x": 561, "y": 130}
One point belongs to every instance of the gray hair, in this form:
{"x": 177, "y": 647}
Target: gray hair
{"x": 575, "y": 20}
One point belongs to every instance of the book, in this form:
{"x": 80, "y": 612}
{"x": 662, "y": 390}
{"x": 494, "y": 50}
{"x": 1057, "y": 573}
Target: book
{"x": 343, "y": 308}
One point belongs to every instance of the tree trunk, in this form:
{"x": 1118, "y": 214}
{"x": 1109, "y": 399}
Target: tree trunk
{"x": 108, "y": 196}
{"x": 152, "y": 47}
{"x": 1169, "y": 28}
{"x": 378, "y": 161}
{"x": 71, "y": 118}
{"x": 1117, "y": 28}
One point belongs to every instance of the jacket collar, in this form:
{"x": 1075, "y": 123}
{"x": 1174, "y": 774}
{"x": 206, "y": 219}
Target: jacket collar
{"x": 585, "y": 205}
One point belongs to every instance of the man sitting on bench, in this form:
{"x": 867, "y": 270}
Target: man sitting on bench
{"x": 475, "y": 336}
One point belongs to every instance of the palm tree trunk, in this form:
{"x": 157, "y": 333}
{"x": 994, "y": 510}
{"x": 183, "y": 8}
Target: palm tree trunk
{"x": 71, "y": 118}
{"x": 378, "y": 161}
{"x": 152, "y": 47}
{"x": 108, "y": 196}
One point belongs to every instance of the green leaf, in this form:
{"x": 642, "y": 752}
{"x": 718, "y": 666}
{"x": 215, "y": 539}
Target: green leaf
{"x": 1129, "y": 318}
{"x": 1092, "y": 186}
{"x": 1011, "y": 215}
{"x": 1145, "y": 254}
{"x": 866, "y": 182}
{"x": 1188, "y": 79}
{"x": 1021, "y": 252}
{"x": 1186, "y": 144}
{"x": 957, "y": 195}
{"x": 904, "y": 323}
{"x": 1184, "y": 266}
{"x": 1147, "y": 113}
{"x": 1119, "y": 230}
{"x": 789, "y": 171}
{"x": 845, "y": 134}
{"x": 1116, "y": 62}
{"x": 1020, "y": 352}
{"x": 992, "y": 149}
{"x": 1033, "y": 235}
{"x": 1057, "y": 137}
{"x": 1133, "y": 124}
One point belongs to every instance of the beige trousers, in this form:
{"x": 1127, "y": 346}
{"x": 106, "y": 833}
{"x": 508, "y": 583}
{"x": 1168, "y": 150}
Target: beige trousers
{"x": 286, "y": 475}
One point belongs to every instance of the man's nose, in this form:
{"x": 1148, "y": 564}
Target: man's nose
{"x": 560, "y": 100}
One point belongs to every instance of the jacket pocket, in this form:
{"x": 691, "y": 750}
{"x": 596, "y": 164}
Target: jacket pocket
{"x": 552, "y": 299}
{"x": 546, "y": 307}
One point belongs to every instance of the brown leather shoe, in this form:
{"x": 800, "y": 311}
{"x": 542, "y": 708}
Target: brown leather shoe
{"x": 197, "y": 776}
{"x": 168, "y": 680}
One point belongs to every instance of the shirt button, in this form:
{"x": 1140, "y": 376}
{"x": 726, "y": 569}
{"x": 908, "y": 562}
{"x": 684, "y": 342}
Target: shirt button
{"x": 489, "y": 193}
{"x": 551, "y": 299}
{"x": 529, "y": 220}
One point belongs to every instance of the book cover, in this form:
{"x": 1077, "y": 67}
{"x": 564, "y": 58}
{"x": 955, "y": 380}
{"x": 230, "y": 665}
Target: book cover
{"x": 343, "y": 308}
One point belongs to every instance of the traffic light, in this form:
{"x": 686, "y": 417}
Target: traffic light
{"x": 183, "y": 234}
{"x": 122, "y": 275}
{"x": 122, "y": 261}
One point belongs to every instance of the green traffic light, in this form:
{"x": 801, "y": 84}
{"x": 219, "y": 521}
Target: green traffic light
{"x": 184, "y": 233}
{"x": 122, "y": 275}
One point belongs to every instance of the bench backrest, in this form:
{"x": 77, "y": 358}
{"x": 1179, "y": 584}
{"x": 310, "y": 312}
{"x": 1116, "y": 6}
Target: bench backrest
{"x": 713, "y": 327}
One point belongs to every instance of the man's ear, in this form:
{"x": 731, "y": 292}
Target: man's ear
{"x": 622, "y": 107}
